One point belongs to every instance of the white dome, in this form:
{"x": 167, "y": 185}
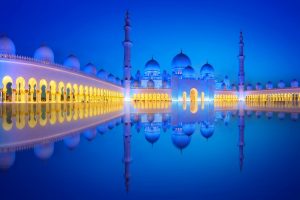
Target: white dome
{"x": 179, "y": 62}
{"x": 90, "y": 69}
{"x": 102, "y": 74}
{"x": 72, "y": 62}
{"x": 281, "y": 84}
{"x": 44, "y": 53}
{"x": 188, "y": 73}
{"x": 294, "y": 83}
{"x": 7, "y": 46}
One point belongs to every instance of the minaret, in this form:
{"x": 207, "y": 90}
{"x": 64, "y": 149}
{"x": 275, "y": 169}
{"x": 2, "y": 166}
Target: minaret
{"x": 127, "y": 140}
{"x": 241, "y": 75}
{"x": 241, "y": 142}
{"x": 127, "y": 54}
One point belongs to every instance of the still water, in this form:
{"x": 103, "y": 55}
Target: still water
{"x": 149, "y": 151}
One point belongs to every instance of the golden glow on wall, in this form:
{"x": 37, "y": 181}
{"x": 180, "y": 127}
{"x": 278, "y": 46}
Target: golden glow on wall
{"x": 151, "y": 97}
{"x": 276, "y": 97}
{"x": 151, "y": 105}
{"x": 38, "y": 91}
{"x": 194, "y": 95}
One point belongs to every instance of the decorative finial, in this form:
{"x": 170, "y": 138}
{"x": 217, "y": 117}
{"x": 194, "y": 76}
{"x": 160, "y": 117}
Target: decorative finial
{"x": 181, "y": 51}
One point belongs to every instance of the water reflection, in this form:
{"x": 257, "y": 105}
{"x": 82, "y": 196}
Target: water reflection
{"x": 40, "y": 126}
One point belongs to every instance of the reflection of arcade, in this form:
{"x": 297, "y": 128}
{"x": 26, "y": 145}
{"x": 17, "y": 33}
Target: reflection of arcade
{"x": 40, "y": 126}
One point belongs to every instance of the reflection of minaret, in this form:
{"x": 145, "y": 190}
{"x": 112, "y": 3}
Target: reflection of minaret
{"x": 127, "y": 54}
{"x": 127, "y": 138}
{"x": 241, "y": 143}
{"x": 241, "y": 75}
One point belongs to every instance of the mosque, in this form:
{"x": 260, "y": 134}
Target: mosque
{"x": 39, "y": 79}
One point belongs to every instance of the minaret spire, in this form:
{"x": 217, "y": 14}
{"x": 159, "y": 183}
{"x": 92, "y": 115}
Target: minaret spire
{"x": 127, "y": 44}
{"x": 241, "y": 74}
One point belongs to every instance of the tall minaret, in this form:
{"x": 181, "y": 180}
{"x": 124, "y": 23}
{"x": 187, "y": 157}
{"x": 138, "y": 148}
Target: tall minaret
{"x": 241, "y": 75}
{"x": 241, "y": 142}
{"x": 127, "y": 54}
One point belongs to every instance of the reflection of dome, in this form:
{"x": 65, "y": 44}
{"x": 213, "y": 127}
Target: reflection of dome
{"x": 90, "y": 134}
{"x": 90, "y": 69}
{"x": 152, "y": 137}
{"x": 188, "y": 72}
{"x": 152, "y": 66}
{"x": 281, "y": 84}
{"x": 72, "y": 62}
{"x": 7, "y": 46}
{"x": 44, "y": 151}
{"x": 111, "y": 124}
{"x": 102, "y": 74}
{"x": 72, "y": 141}
{"x": 281, "y": 115}
{"x": 150, "y": 117}
{"x": 207, "y": 129}
{"x": 207, "y": 71}
{"x": 179, "y": 62}
{"x": 101, "y": 129}
{"x": 150, "y": 83}
{"x": 188, "y": 129}
{"x": 7, "y": 160}
{"x": 44, "y": 53}
{"x": 181, "y": 141}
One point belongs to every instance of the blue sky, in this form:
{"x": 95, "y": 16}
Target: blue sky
{"x": 205, "y": 30}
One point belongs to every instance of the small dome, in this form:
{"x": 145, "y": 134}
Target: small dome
{"x": 44, "y": 151}
{"x": 90, "y": 134}
{"x": 281, "y": 84}
{"x": 165, "y": 84}
{"x": 111, "y": 78}
{"x": 207, "y": 71}
{"x": 188, "y": 129}
{"x": 294, "y": 83}
{"x": 90, "y": 69}
{"x": 188, "y": 73}
{"x": 207, "y": 129}
{"x": 258, "y": 86}
{"x": 72, "y": 141}
{"x": 136, "y": 84}
{"x": 102, "y": 74}
{"x": 179, "y": 62}
{"x": 233, "y": 87}
{"x": 44, "y": 53}
{"x": 249, "y": 87}
{"x": 7, "y": 159}
{"x": 7, "y": 46}
{"x": 269, "y": 85}
{"x": 72, "y": 62}
{"x": 152, "y": 65}
{"x": 150, "y": 83}
{"x": 181, "y": 141}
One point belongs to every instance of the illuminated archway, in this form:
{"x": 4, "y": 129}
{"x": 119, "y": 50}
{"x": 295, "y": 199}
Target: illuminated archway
{"x": 20, "y": 89}
{"x": 32, "y": 90}
{"x": 7, "y": 89}
{"x": 202, "y": 97}
{"x": 193, "y": 95}
{"x": 61, "y": 92}
{"x": 43, "y": 91}
{"x": 52, "y": 85}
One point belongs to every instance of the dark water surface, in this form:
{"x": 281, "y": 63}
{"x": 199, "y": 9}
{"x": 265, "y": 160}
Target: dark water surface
{"x": 149, "y": 151}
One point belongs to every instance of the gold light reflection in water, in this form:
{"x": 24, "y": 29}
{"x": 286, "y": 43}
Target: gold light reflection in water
{"x": 42, "y": 114}
{"x": 151, "y": 105}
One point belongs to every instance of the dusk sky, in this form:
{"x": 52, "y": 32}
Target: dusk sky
{"x": 204, "y": 30}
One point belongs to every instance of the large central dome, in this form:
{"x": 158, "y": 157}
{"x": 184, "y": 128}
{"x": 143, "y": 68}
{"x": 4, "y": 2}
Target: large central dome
{"x": 152, "y": 65}
{"x": 179, "y": 62}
